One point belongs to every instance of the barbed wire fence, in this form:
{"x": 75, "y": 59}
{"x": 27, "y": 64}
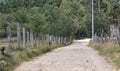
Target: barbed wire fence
{"x": 103, "y": 38}
{"x": 23, "y": 38}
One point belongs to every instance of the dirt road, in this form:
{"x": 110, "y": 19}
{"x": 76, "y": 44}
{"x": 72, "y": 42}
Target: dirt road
{"x": 75, "y": 57}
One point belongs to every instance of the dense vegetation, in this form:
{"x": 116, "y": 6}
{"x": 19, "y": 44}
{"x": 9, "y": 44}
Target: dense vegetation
{"x": 60, "y": 17}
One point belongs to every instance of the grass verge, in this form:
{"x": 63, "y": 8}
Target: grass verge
{"x": 110, "y": 51}
{"x": 22, "y": 55}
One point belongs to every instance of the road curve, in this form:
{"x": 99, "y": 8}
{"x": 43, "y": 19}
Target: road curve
{"x": 75, "y": 57}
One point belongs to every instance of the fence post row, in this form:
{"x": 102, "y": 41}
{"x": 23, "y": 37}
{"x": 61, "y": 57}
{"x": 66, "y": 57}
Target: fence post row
{"x": 30, "y": 40}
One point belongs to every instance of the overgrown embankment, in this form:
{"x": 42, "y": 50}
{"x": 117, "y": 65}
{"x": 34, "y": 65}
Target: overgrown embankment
{"x": 24, "y": 54}
{"x": 110, "y": 50}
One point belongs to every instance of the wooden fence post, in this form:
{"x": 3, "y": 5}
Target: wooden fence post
{"x": 50, "y": 40}
{"x": 38, "y": 43}
{"x": 9, "y": 39}
{"x": 24, "y": 38}
{"x": 55, "y": 40}
{"x": 101, "y": 41}
{"x": 28, "y": 39}
{"x": 18, "y": 35}
{"x": 95, "y": 38}
{"x": 36, "y": 40}
{"x": 59, "y": 40}
{"x": 64, "y": 40}
{"x": 31, "y": 38}
{"x": 47, "y": 39}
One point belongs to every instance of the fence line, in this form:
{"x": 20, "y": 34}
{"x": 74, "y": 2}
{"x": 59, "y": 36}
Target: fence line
{"x": 103, "y": 38}
{"x": 29, "y": 39}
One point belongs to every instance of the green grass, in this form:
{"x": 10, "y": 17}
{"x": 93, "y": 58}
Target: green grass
{"x": 22, "y": 55}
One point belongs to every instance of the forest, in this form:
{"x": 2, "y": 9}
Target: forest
{"x": 60, "y": 17}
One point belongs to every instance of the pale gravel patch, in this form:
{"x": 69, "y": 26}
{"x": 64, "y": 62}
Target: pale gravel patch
{"x": 75, "y": 57}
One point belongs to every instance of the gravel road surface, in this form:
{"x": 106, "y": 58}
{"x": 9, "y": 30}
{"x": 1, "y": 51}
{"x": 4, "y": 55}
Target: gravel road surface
{"x": 75, "y": 57}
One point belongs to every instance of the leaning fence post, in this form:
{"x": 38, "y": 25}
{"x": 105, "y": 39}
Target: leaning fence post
{"x": 18, "y": 35}
{"x": 31, "y": 38}
{"x": 24, "y": 38}
{"x": 9, "y": 39}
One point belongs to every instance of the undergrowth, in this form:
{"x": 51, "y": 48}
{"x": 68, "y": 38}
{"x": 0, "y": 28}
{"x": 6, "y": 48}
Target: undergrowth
{"x": 22, "y": 55}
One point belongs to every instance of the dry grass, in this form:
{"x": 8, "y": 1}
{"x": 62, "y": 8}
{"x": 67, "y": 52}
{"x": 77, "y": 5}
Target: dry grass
{"x": 109, "y": 50}
{"x": 107, "y": 46}
{"x": 24, "y": 54}
{"x": 18, "y": 56}
{"x": 3, "y": 41}
{"x": 103, "y": 46}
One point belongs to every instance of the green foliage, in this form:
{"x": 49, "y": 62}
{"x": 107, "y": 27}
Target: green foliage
{"x": 60, "y": 17}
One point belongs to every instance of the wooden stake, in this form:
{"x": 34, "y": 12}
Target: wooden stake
{"x": 9, "y": 39}
{"x": 24, "y": 38}
{"x": 18, "y": 35}
{"x": 31, "y": 38}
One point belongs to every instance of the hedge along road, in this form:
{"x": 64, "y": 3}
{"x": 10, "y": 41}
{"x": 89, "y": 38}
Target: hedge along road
{"x": 75, "y": 57}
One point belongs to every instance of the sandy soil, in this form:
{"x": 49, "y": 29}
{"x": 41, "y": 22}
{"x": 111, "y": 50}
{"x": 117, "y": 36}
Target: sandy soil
{"x": 75, "y": 57}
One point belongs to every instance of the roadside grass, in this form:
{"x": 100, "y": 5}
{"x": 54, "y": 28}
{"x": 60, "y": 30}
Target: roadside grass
{"x": 8, "y": 63}
{"x": 108, "y": 50}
